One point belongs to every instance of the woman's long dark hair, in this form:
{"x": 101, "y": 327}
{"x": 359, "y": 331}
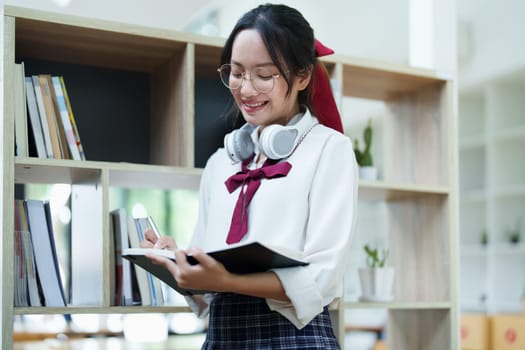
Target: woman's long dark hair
{"x": 288, "y": 37}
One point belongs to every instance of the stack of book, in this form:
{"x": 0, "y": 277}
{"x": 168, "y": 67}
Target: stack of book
{"x": 37, "y": 274}
{"x": 133, "y": 286}
{"x": 42, "y": 102}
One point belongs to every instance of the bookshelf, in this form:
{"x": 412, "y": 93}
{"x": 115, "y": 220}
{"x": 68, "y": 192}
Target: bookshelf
{"x": 413, "y": 204}
{"x": 176, "y": 74}
{"x": 492, "y": 192}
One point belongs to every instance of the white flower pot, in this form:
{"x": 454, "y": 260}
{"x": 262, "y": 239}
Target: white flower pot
{"x": 376, "y": 284}
{"x": 368, "y": 173}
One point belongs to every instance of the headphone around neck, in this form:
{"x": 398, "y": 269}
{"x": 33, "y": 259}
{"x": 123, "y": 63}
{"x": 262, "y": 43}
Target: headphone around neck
{"x": 276, "y": 141}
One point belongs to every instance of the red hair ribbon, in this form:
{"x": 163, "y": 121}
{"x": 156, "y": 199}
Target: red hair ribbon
{"x": 323, "y": 101}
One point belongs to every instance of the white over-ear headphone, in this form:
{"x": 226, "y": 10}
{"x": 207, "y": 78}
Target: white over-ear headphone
{"x": 276, "y": 141}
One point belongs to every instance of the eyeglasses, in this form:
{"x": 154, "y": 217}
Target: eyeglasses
{"x": 262, "y": 78}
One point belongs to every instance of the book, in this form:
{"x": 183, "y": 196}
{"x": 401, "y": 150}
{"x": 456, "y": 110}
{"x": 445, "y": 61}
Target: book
{"x": 240, "y": 259}
{"x": 89, "y": 262}
{"x": 34, "y": 119}
{"x": 143, "y": 224}
{"x": 43, "y": 117}
{"x": 45, "y": 253}
{"x": 30, "y": 283}
{"x": 20, "y": 112}
{"x": 123, "y": 285}
{"x": 72, "y": 118}
{"x": 63, "y": 116}
{"x": 140, "y": 273}
{"x": 53, "y": 117}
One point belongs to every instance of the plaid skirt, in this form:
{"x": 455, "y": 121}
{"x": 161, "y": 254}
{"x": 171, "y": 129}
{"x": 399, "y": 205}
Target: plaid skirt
{"x": 240, "y": 322}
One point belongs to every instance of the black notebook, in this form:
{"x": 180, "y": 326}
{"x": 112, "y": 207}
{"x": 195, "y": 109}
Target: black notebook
{"x": 240, "y": 259}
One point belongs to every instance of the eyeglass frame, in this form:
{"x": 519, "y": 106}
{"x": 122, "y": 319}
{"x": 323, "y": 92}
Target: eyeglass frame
{"x": 243, "y": 78}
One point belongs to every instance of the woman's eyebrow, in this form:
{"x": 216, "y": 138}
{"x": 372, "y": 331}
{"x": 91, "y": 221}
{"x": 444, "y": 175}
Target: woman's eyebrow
{"x": 265, "y": 64}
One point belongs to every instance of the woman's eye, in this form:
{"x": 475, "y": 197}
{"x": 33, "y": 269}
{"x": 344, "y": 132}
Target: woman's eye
{"x": 265, "y": 76}
{"x": 236, "y": 75}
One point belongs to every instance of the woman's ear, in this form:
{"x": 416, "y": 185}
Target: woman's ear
{"x": 303, "y": 79}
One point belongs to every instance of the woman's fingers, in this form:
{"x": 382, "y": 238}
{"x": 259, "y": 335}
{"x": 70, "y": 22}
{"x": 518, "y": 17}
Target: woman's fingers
{"x": 165, "y": 242}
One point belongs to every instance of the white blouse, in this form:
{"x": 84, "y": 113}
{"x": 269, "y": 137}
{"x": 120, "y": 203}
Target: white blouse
{"x": 311, "y": 210}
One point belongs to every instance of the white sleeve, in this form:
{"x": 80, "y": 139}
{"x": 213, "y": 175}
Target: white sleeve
{"x": 332, "y": 203}
{"x": 200, "y": 306}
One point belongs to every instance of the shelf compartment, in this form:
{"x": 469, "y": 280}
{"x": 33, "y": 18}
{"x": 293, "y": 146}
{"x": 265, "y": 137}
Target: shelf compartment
{"x": 419, "y": 243}
{"x": 151, "y": 71}
{"x": 472, "y": 165}
{"x": 472, "y": 221}
{"x": 71, "y": 39}
{"x": 382, "y": 81}
{"x": 423, "y": 329}
{"x": 410, "y": 129}
{"x": 506, "y": 167}
{"x": 505, "y": 103}
{"x": 508, "y": 215}
{"x": 511, "y": 276}
{"x": 472, "y": 117}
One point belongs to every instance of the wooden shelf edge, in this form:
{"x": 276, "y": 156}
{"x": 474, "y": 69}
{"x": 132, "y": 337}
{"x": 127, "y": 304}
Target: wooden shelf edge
{"x": 397, "y": 68}
{"x": 99, "y": 310}
{"x": 445, "y": 305}
{"x": 394, "y": 191}
{"x": 112, "y": 26}
{"x": 120, "y": 166}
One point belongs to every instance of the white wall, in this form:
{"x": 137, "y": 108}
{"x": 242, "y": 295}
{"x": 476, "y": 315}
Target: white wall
{"x": 496, "y": 29}
{"x": 376, "y": 29}
{"x": 169, "y": 14}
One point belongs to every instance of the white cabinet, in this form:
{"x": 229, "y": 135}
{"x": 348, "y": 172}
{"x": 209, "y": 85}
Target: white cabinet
{"x": 492, "y": 194}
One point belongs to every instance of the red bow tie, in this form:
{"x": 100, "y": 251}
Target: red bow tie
{"x": 251, "y": 178}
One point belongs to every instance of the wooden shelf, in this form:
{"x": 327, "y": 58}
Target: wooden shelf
{"x": 376, "y": 190}
{"x": 49, "y": 171}
{"x": 383, "y": 81}
{"x": 417, "y": 196}
{"x": 400, "y": 305}
{"x": 99, "y": 310}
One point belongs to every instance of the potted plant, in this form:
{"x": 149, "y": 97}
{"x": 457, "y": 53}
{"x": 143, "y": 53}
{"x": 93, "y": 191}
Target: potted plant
{"x": 484, "y": 237}
{"x": 513, "y": 236}
{"x": 367, "y": 170}
{"x": 376, "y": 279}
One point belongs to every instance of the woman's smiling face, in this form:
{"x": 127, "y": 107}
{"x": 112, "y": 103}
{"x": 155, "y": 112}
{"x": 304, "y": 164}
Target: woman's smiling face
{"x": 274, "y": 107}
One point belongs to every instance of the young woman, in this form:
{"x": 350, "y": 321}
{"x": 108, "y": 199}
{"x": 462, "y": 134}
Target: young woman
{"x": 287, "y": 178}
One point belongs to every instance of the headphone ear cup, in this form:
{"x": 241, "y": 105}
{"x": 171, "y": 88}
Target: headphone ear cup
{"x": 239, "y": 144}
{"x": 277, "y": 141}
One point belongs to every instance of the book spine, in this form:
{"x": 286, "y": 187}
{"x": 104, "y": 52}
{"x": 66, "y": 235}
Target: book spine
{"x": 49, "y": 114}
{"x": 34, "y": 119}
{"x": 51, "y": 103}
{"x": 141, "y": 274}
{"x": 72, "y": 118}
{"x": 43, "y": 118}
{"x": 64, "y": 117}
{"x": 45, "y": 255}
{"x": 151, "y": 283}
{"x": 20, "y": 112}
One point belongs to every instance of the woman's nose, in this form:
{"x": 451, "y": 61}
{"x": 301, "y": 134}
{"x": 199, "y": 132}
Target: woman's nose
{"x": 247, "y": 87}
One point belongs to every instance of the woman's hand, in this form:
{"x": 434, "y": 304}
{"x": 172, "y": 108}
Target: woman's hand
{"x": 151, "y": 240}
{"x": 208, "y": 274}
